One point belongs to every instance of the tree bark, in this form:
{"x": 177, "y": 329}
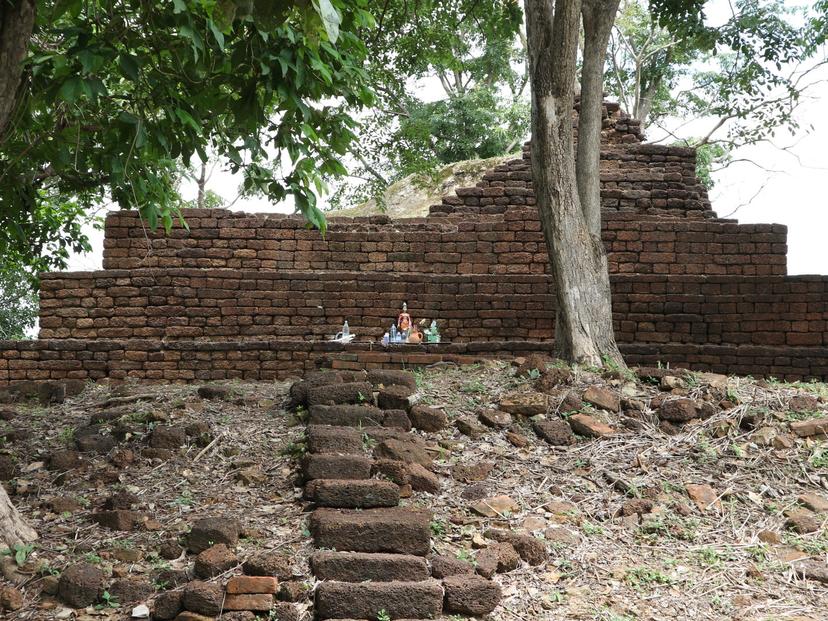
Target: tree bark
{"x": 584, "y": 331}
{"x": 598, "y": 16}
{"x": 16, "y": 24}
{"x": 202, "y": 184}
{"x": 13, "y": 528}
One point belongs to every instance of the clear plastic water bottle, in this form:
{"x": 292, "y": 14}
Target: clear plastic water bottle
{"x": 385, "y": 339}
{"x": 345, "y": 329}
{"x": 393, "y": 334}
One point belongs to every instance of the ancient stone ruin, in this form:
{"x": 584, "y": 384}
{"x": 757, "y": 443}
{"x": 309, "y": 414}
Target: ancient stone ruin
{"x": 255, "y": 296}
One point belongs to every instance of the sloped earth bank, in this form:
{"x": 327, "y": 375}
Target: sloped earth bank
{"x": 677, "y": 496}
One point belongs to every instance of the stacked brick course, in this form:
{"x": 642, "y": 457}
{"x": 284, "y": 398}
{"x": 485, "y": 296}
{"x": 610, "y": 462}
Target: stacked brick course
{"x": 255, "y": 296}
{"x": 507, "y": 243}
{"x": 221, "y": 305}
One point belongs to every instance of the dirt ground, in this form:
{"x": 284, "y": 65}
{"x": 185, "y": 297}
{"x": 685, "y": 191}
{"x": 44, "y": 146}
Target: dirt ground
{"x": 667, "y": 558}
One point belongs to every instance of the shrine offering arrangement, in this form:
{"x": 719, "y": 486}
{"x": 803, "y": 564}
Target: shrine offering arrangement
{"x": 403, "y": 330}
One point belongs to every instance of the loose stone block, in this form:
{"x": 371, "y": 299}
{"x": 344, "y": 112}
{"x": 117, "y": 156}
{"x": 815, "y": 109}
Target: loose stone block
{"x": 395, "y": 530}
{"x": 360, "y": 566}
{"x": 339, "y": 600}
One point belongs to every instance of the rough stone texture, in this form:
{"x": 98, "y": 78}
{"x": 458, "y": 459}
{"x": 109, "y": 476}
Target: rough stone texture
{"x": 556, "y": 432}
{"x": 167, "y": 605}
{"x": 531, "y": 549}
{"x": 359, "y": 567}
{"x": 816, "y": 570}
{"x": 81, "y": 585}
{"x": 64, "y": 460}
{"x": 269, "y": 564}
{"x": 495, "y": 419}
{"x": 429, "y": 419}
{"x": 328, "y": 439}
{"x": 470, "y": 427}
{"x": 803, "y": 403}
{"x": 586, "y": 425}
{"x": 259, "y": 602}
{"x": 166, "y": 437}
{"x": 423, "y": 480}
{"x": 293, "y": 591}
{"x": 347, "y": 415}
{"x": 403, "y": 450}
{"x": 11, "y": 599}
{"x": 188, "y": 615}
{"x": 395, "y": 530}
{"x": 131, "y": 589}
{"x": 362, "y": 494}
{"x": 383, "y": 377}
{"x": 339, "y": 600}
{"x": 329, "y": 466}
{"x": 395, "y": 398}
{"x": 602, "y": 398}
{"x": 213, "y": 391}
{"x": 810, "y": 427}
{"x": 396, "y": 471}
{"x": 814, "y": 502}
{"x": 802, "y": 521}
{"x": 470, "y": 472}
{"x": 282, "y": 611}
{"x": 299, "y": 390}
{"x": 252, "y": 584}
{"x": 203, "y": 598}
{"x": 210, "y": 531}
{"x": 525, "y": 403}
{"x": 352, "y": 392}
{"x": 119, "y": 519}
{"x": 8, "y": 467}
{"x": 89, "y": 440}
{"x": 214, "y": 561}
{"x": 678, "y": 410}
{"x": 496, "y": 506}
{"x": 445, "y": 566}
{"x": 497, "y": 558}
{"x": 397, "y": 419}
{"x": 471, "y": 595}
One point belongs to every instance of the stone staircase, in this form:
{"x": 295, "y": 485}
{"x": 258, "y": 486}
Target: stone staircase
{"x": 361, "y": 460}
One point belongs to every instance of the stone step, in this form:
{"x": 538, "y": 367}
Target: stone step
{"x": 327, "y": 466}
{"x": 329, "y": 439}
{"x": 354, "y": 494}
{"x": 396, "y": 530}
{"x": 360, "y": 566}
{"x": 350, "y": 415}
{"x": 391, "y": 377}
{"x": 351, "y": 392}
{"x": 413, "y": 600}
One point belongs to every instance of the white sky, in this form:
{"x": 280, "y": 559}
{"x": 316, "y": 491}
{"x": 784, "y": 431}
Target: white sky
{"x": 796, "y": 195}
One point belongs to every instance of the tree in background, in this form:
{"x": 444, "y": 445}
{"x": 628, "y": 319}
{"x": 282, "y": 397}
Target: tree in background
{"x": 470, "y": 51}
{"x": 743, "y": 79}
{"x": 18, "y": 305}
{"x": 112, "y": 98}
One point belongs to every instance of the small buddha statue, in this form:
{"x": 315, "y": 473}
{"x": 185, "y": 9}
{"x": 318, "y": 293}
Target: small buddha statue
{"x": 404, "y": 322}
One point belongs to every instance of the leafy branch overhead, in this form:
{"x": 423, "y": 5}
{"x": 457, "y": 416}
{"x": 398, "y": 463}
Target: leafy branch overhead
{"x": 743, "y": 77}
{"x": 116, "y": 97}
{"x": 451, "y": 84}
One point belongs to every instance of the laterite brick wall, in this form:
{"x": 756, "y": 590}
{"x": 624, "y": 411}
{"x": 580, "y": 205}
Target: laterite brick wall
{"x": 255, "y": 296}
{"x": 232, "y": 304}
{"x": 508, "y": 243}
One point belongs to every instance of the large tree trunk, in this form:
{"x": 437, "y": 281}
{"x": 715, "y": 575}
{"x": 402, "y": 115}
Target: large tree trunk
{"x": 13, "y": 529}
{"x": 584, "y": 331}
{"x": 16, "y": 24}
{"x": 599, "y": 15}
